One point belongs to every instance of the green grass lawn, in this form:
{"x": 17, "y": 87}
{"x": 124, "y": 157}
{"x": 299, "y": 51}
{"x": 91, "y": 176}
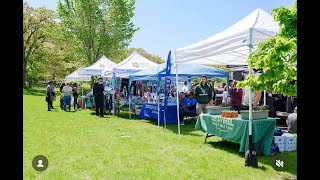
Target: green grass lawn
{"x": 80, "y": 145}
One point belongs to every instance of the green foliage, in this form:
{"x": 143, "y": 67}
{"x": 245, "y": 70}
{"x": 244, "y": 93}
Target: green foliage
{"x": 36, "y": 22}
{"x": 102, "y": 27}
{"x": 86, "y": 88}
{"x": 277, "y": 56}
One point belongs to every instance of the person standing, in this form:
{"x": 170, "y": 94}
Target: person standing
{"x": 98, "y": 96}
{"x": 185, "y": 88}
{"x": 50, "y": 95}
{"x": 203, "y": 95}
{"x": 245, "y": 98}
{"x": 67, "y": 91}
{"x": 236, "y": 98}
{"x": 225, "y": 98}
{"x": 75, "y": 96}
{"x": 270, "y": 100}
{"x": 61, "y": 97}
{"x": 292, "y": 121}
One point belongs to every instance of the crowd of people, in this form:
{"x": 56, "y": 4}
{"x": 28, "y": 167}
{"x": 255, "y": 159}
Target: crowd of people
{"x": 193, "y": 99}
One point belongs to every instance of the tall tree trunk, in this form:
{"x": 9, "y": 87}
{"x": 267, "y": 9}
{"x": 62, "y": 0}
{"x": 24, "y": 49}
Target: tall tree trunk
{"x": 30, "y": 82}
{"x": 24, "y": 72}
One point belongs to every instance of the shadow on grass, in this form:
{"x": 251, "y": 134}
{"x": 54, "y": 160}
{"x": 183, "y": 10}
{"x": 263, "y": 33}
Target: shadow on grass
{"x": 290, "y": 157}
{"x": 37, "y": 92}
{"x": 34, "y": 92}
{"x": 187, "y": 129}
{"x": 233, "y": 148}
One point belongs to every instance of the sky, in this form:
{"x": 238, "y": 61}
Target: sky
{"x": 170, "y": 24}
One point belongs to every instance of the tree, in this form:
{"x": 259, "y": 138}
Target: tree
{"x": 60, "y": 55}
{"x": 102, "y": 27}
{"x": 277, "y": 57}
{"x": 35, "y": 22}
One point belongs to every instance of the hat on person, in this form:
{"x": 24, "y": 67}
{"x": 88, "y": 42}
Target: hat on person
{"x": 100, "y": 78}
{"x": 204, "y": 76}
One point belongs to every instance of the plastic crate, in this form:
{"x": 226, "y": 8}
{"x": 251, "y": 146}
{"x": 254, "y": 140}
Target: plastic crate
{"x": 216, "y": 110}
{"x": 280, "y": 141}
{"x": 290, "y": 141}
{"x": 255, "y": 114}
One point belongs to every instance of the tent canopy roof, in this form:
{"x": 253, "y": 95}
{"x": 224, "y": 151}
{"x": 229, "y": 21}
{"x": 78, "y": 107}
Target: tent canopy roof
{"x": 231, "y": 46}
{"x": 134, "y": 63}
{"x": 97, "y": 67}
{"x": 77, "y": 76}
{"x": 185, "y": 71}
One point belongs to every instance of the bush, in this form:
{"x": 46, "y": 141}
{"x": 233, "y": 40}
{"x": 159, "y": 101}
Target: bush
{"x": 86, "y": 88}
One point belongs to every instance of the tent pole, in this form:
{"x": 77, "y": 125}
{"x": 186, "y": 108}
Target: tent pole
{"x": 129, "y": 106}
{"x": 177, "y": 97}
{"x": 264, "y": 97}
{"x": 250, "y": 96}
{"x": 158, "y": 99}
{"x": 250, "y": 160}
{"x": 82, "y": 95}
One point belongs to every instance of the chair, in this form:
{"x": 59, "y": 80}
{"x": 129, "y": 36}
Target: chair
{"x": 192, "y": 114}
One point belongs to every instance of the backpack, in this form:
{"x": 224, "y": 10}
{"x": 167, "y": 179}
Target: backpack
{"x": 278, "y": 132}
{"x": 274, "y": 148}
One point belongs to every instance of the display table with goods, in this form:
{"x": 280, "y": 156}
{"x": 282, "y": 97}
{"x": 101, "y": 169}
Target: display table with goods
{"x": 230, "y": 126}
{"x": 150, "y": 110}
{"x": 89, "y": 101}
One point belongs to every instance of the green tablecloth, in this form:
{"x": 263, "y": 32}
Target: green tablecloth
{"x": 237, "y": 130}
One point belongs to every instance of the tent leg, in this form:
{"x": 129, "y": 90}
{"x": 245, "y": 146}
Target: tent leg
{"x": 129, "y": 106}
{"x": 264, "y": 97}
{"x": 177, "y": 100}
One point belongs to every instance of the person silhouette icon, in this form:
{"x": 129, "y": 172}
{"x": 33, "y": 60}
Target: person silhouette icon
{"x": 40, "y": 164}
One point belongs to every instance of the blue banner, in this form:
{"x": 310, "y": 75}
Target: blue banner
{"x": 167, "y": 81}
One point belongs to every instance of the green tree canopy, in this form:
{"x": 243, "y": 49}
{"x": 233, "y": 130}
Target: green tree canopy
{"x": 102, "y": 27}
{"x": 277, "y": 57}
{"x": 36, "y": 22}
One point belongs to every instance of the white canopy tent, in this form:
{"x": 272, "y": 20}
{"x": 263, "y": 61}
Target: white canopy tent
{"x": 78, "y": 76}
{"x": 231, "y": 46}
{"x": 97, "y": 67}
{"x": 132, "y": 64}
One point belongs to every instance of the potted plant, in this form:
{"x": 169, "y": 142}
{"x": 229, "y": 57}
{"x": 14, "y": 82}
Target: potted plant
{"x": 216, "y": 110}
{"x": 259, "y": 112}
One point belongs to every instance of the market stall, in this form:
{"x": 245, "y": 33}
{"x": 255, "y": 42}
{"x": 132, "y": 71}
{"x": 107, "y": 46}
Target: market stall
{"x": 236, "y": 130}
{"x": 231, "y": 46}
{"x": 186, "y": 71}
{"x": 79, "y": 77}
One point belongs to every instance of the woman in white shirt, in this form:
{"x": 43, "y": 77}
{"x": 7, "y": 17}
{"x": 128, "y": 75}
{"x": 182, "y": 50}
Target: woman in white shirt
{"x": 245, "y": 98}
{"x": 225, "y": 98}
{"x": 185, "y": 88}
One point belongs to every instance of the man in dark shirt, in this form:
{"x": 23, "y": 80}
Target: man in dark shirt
{"x": 98, "y": 96}
{"x": 203, "y": 95}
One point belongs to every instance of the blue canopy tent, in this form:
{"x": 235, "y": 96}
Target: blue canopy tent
{"x": 185, "y": 71}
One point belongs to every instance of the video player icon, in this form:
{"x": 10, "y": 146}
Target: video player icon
{"x": 279, "y": 163}
{"x": 40, "y": 163}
